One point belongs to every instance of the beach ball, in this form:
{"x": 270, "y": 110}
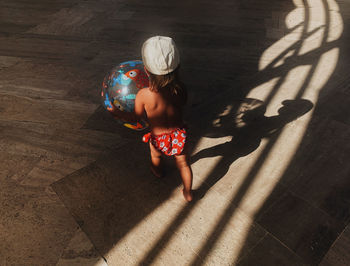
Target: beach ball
{"x": 120, "y": 87}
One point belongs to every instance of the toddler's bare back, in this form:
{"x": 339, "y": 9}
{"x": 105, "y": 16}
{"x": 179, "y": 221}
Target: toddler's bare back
{"x": 164, "y": 111}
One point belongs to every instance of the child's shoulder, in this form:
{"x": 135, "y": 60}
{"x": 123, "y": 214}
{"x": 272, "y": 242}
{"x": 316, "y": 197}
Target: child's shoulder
{"x": 145, "y": 93}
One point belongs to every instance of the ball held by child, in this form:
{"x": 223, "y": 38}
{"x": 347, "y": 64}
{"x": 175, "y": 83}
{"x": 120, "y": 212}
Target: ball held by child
{"x": 119, "y": 89}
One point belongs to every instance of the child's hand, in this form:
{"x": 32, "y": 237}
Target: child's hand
{"x": 114, "y": 110}
{"x": 122, "y": 115}
{"x": 111, "y": 107}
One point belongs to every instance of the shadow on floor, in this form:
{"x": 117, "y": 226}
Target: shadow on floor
{"x": 247, "y": 126}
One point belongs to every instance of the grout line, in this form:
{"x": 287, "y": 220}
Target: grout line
{"x": 257, "y": 243}
{"x": 338, "y": 237}
{"x": 283, "y": 244}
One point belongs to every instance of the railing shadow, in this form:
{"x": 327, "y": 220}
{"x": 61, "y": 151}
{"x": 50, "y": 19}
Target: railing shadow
{"x": 247, "y": 129}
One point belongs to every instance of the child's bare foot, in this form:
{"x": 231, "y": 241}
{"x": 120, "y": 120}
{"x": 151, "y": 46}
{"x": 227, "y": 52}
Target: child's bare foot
{"x": 156, "y": 171}
{"x": 187, "y": 195}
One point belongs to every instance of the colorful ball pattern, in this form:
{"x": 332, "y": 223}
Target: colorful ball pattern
{"x": 120, "y": 87}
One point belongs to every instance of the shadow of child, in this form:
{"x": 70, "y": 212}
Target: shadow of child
{"x": 247, "y": 126}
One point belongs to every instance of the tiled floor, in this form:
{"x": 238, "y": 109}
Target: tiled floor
{"x": 268, "y": 111}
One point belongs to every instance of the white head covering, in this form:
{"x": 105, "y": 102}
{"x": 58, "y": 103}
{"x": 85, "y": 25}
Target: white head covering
{"x": 160, "y": 55}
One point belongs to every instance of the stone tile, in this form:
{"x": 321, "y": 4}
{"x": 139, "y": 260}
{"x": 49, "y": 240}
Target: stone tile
{"x": 35, "y": 226}
{"x": 40, "y": 79}
{"x": 270, "y": 251}
{"x": 43, "y": 140}
{"x": 302, "y": 155}
{"x": 101, "y": 195}
{"x": 307, "y": 231}
{"x": 67, "y": 114}
{"x": 152, "y": 240}
{"x": 338, "y": 109}
{"x": 16, "y": 167}
{"x": 338, "y": 254}
{"x": 212, "y": 222}
{"x": 66, "y": 21}
{"x": 41, "y": 47}
{"x": 8, "y": 61}
{"x": 80, "y": 251}
{"x": 15, "y": 20}
{"x": 48, "y": 170}
{"x": 25, "y": 138}
{"x": 314, "y": 183}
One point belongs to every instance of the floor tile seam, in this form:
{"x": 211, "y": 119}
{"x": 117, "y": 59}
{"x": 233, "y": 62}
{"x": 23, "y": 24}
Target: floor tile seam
{"x": 268, "y": 233}
{"x": 13, "y": 65}
{"x": 248, "y": 217}
{"x": 276, "y": 201}
{"x": 53, "y": 55}
{"x": 82, "y": 38}
{"x": 254, "y": 246}
{"x": 45, "y": 39}
{"x": 61, "y": 100}
{"x": 310, "y": 204}
{"x": 87, "y": 152}
{"x": 188, "y": 245}
{"x": 223, "y": 197}
{"x": 78, "y": 226}
{"x": 12, "y": 89}
{"x": 285, "y": 245}
{"x": 307, "y": 204}
{"x": 54, "y": 130}
{"x": 27, "y": 6}
{"x": 24, "y": 121}
{"x": 289, "y": 189}
{"x": 237, "y": 205}
{"x": 53, "y": 37}
{"x": 48, "y": 156}
{"x": 341, "y": 122}
{"x": 229, "y": 32}
{"x": 333, "y": 244}
{"x": 259, "y": 227}
{"x": 77, "y": 229}
{"x": 36, "y": 55}
{"x": 75, "y": 172}
{"x": 176, "y": 232}
{"x": 44, "y": 99}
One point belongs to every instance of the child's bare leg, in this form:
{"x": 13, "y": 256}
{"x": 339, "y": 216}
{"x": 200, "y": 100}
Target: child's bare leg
{"x": 155, "y": 161}
{"x": 186, "y": 175}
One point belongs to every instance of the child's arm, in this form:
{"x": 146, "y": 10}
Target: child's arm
{"x": 135, "y": 116}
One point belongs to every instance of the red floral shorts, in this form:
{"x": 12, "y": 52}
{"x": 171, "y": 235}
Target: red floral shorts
{"x": 169, "y": 143}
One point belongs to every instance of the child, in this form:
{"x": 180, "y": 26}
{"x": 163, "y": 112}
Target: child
{"x": 162, "y": 104}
